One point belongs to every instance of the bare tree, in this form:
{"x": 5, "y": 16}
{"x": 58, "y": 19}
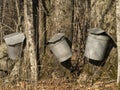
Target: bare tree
{"x": 103, "y": 16}
{"x": 30, "y": 42}
{"x": 80, "y": 25}
{"x": 3, "y": 2}
{"x": 118, "y": 38}
{"x": 60, "y": 16}
{"x": 56, "y": 17}
{"x": 42, "y": 30}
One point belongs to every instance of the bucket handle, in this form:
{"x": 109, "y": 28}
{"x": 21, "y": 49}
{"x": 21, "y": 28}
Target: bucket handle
{"x": 55, "y": 41}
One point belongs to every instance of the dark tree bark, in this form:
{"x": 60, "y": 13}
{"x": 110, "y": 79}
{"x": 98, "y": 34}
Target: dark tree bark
{"x": 2, "y": 13}
{"x": 80, "y": 25}
{"x": 42, "y": 27}
{"x": 103, "y": 16}
{"x": 118, "y": 38}
{"x": 30, "y": 42}
{"x": 60, "y": 16}
{"x": 57, "y": 19}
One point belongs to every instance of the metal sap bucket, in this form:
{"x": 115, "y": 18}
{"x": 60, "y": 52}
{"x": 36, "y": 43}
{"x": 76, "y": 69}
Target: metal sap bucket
{"x": 14, "y": 43}
{"x": 60, "y": 47}
{"x": 96, "y": 44}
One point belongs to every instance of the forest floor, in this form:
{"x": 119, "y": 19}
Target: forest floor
{"x": 60, "y": 84}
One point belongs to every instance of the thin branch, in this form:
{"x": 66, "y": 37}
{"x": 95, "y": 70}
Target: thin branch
{"x": 7, "y": 26}
{"x": 18, "y": 15}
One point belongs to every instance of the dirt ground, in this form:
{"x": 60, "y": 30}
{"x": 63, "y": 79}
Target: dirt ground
{"x": 60, "y": 84}
{"x": 56, "y": 77}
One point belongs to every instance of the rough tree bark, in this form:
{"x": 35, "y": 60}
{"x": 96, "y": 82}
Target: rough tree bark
{"x": 80, "y": 25}
{"x": 118, "y": 38}
{"x": 42, "y": 30}
{"x": 58, "y": 18}
{"x": 42, "y": 35}
{"x": 62, "y": 22}
{"x": 61, "y": 7}
{"x": 3, "y": 3}
{"x": 18, "y": 15}
{"x": 30, "y": 42}
{"x": 103, "y": 16}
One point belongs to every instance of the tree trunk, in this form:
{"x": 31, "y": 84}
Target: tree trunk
{"x": 2, "y": 20}
{"x": 42, "y": 29}
{"x": 80, "y": 25}
{"x": 42, "y": 35}
{"x": 60, "y": 17}
{"x": 30, "y": 42}
{"x": 103, "y": 16}
{"x": 18, "y": 15}
{"x": 118, "y": 38}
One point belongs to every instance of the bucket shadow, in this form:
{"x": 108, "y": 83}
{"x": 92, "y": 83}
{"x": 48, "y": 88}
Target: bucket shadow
{"x": 69, "y": 42}
{"x": 111, "y": 44}
{"x": 67, "y": 64}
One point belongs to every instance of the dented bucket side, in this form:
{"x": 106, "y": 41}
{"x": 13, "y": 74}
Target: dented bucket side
{"x": 60, "y": 47}
{"x": 96, "y": 44}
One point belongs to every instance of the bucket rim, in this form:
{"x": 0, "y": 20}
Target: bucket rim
{"x": 56, "y": 38}
{"x": 100, "y": 37}
{"x": 56, "y": 43}
{"x": 14, "y": 38}
{"x": 96, "y": 31}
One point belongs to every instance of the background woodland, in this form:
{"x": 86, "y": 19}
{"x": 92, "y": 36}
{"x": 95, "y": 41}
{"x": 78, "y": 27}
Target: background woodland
{"x": 39, "y": 20}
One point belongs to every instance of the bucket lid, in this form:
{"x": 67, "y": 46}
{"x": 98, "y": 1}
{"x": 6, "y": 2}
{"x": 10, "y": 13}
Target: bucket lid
{"x": 96, "y": 31}
{"x": 98, "y": 37}
{"x": 14, "y": 38}
{"x": 56, "y": 38}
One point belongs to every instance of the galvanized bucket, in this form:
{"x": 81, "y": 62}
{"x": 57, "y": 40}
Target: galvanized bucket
{"x": 60, "y": 47}
{"x": 14, "y": 43}
{"x": 96, "y": 44}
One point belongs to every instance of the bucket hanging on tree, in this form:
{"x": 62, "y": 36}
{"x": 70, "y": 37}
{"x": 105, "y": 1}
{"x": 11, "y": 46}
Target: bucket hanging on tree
{"x": 14, "y": 43}
{"x": 96, "y": 44}
{"x": 60, "y": 47}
